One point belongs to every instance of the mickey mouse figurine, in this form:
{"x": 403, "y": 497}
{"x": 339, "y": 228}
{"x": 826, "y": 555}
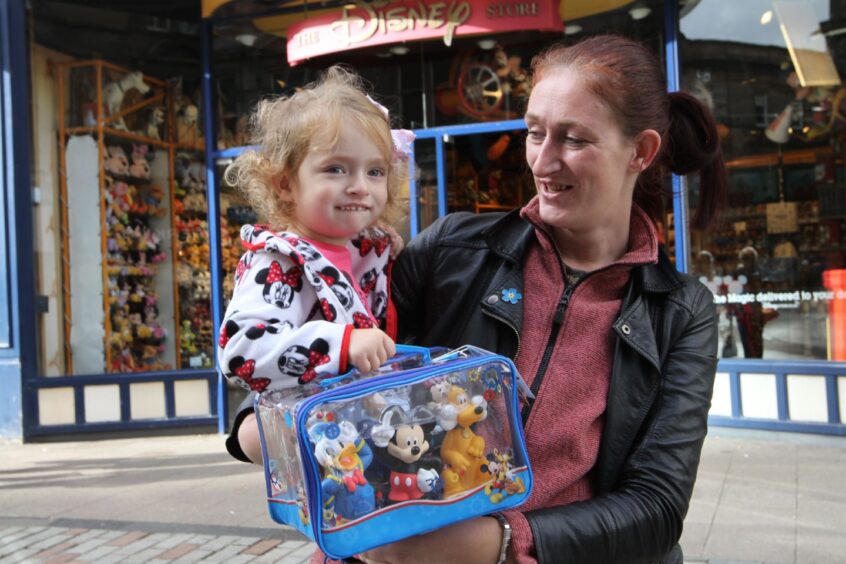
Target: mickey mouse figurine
{"x": 403, "y": 439}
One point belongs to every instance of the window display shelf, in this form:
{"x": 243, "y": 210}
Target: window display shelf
{"x": 134, "y": 212}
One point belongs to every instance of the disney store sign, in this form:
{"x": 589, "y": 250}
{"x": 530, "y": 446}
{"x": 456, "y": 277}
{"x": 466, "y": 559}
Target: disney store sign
{"x": 362, "y": 24}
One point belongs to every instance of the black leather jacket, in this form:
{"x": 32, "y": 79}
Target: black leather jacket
{"x": 658, "y": 400}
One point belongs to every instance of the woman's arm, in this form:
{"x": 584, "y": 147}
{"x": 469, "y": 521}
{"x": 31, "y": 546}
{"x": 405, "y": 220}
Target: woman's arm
{"x": 641, "y": 519}
{"x": 476, "y": 541}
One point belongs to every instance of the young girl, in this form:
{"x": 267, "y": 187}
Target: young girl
{"x": 311, "y": 292}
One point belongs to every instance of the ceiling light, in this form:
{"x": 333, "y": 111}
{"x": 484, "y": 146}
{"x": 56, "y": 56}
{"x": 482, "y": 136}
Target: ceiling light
{"x": 486, "y": 44}
{"x": 399, "y": 49}
{"x": 766, "y": 17}
{"x": 247, "y": 39}
{"x": 639, "y": 12}
{"x": 572, "y": 29}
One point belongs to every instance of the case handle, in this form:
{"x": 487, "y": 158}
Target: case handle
{"x": 401, "y": 351}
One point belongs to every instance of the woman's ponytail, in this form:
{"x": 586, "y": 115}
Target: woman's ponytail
{"x": 692, "y": 144}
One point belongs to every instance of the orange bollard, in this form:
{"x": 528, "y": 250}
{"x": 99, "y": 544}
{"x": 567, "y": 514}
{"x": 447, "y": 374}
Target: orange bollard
{"x": 835, "y": 281}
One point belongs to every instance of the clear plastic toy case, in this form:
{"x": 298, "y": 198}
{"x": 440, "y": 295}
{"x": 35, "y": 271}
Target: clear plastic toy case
{"x": 357, "y": 462}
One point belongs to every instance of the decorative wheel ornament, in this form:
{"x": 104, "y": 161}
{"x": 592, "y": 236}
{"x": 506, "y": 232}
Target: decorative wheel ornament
{"x": 480, "y": 89}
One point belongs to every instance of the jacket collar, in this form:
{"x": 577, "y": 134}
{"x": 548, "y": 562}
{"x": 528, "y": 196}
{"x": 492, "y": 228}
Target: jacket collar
{"x": 510, "y": 236}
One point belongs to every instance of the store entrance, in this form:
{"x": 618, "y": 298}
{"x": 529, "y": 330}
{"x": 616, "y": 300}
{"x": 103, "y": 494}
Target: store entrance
{"x": 476, "y": 168}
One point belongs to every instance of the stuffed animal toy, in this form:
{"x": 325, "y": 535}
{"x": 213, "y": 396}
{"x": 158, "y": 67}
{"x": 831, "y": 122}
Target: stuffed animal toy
{"x": 140, "y": 168}
{"x": 116, "y": 162}
{"x": 184, "y": 275}
{"x": 114, "y": 92}
{"x": 187, "y": 130}
{"x": 194, "y": 176}
{"x": 195, "y": 202}
{"x": 202, "y": 285}
{"x": 156, "y": 121}
{"x": 187, "y": 339}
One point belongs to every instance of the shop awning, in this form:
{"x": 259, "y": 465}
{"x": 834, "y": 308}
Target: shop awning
{"x": 568, "y": 9}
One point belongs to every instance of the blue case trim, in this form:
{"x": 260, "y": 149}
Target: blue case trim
{"x": 379, "y": 528}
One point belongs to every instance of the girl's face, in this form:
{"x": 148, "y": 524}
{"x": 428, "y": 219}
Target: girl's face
{"x": 339, "y": 190}
{"x": 581, "y": 162}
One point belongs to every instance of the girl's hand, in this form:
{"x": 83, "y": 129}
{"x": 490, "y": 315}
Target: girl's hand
{"x": 470, "y": 542}
{"x": 369, "y": 349}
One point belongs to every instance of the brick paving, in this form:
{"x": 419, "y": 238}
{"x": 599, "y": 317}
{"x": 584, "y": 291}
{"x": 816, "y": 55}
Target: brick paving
{"x": 60, "y": 545}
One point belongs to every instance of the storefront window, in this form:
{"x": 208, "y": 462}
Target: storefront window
{"x": 771, "y": 72}
{"x": 121, "y": 238}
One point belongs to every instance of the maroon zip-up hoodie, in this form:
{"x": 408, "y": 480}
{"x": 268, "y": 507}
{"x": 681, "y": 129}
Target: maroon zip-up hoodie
{"x": 565, "y": 425}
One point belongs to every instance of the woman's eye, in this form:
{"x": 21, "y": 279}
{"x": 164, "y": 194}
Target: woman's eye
{"x": 570, "y": 140}
{"x": 534, "y": 135}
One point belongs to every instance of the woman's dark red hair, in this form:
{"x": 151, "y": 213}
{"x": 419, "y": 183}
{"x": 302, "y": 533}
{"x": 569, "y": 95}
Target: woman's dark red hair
{"x": 628, "y": 77}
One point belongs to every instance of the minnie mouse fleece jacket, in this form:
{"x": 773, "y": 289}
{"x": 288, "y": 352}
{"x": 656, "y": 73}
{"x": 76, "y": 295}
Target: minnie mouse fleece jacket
{"x": 292, "y": 310}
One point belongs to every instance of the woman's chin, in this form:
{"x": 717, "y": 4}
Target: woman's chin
{"x": 555, "y": 216}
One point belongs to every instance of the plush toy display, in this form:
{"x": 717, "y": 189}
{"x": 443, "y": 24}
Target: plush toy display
{"x": 192, "y": 272}
{"x": 134, "y": 249}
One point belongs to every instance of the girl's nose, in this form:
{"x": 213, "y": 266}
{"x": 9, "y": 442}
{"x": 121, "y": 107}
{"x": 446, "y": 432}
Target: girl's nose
{"x": 357, "y": 184}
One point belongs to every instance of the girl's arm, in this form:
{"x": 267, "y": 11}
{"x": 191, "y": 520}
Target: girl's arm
{"x": 267, "y": 340}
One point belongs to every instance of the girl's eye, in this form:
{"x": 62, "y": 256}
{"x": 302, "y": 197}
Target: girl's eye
{"x": 376, "y": 172}
{"x": 335, "y": 169}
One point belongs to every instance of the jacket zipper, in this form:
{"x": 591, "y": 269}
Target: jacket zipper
{"x": 510, "y": 326}
{"x": 557, "y": 322}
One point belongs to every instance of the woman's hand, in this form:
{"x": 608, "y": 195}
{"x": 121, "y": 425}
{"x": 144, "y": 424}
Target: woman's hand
{"x": 469, "y": 542}
{"x": 369, "y": 349}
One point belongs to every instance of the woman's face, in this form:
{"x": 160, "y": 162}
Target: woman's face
{"x": 584, "y": 167}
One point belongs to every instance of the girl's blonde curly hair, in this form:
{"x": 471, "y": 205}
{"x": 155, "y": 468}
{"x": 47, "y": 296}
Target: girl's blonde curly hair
{"x": 284, "y": 129}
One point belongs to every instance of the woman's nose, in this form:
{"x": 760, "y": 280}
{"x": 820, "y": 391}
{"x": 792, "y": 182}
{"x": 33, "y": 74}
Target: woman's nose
{"x": 547, "y": 159}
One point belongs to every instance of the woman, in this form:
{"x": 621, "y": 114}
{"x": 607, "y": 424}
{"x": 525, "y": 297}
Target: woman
{"x": 618, "y": 347}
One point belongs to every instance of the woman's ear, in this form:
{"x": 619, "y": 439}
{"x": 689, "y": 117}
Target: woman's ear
{"x": 647, "y": 145}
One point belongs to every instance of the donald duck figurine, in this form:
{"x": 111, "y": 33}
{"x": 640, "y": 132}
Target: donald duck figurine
{"x": 344, "y": 455}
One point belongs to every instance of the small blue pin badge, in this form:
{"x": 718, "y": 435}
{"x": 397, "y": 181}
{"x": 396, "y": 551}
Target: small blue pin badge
{"x": 511, "y": 295}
